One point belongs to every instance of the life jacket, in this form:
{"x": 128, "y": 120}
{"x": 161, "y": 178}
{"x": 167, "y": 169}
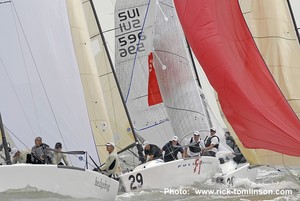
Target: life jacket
{"x": 112, "y": 165}
{"x": 208, "y": 142}
{"x": 171, "y": 152}
{"x": 195, "y": 148}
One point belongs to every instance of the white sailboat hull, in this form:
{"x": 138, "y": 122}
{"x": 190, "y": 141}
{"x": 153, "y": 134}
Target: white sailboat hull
{"x": 241, "y": 171}
{"x": 157, "y": 174}
{"x": 74, "y": 182}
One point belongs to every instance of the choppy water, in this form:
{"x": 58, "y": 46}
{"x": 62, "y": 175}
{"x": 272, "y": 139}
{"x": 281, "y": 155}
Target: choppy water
{"x": 268, "y": 179}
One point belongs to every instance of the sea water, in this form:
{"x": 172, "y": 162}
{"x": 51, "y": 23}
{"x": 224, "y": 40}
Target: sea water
{"x": 271, "y": 184}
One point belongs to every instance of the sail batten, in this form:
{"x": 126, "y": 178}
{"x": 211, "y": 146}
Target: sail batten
{"x": 221, "y": 40}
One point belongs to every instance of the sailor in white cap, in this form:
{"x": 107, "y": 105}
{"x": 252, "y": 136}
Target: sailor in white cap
{"x": 111, "y": 167}
{"x": 211, "y": 144}
{"x": 19, "y": 156}
{"x": 171, "y": 150}
{"x": 196, "y": 144}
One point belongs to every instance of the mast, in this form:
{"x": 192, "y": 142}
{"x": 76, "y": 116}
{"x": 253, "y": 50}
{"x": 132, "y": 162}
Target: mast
{"x": 198, "y": 81}
{"x": 4, "y": 142}
{"x": 138, "y": 145}
{"x": 193, "y": 63}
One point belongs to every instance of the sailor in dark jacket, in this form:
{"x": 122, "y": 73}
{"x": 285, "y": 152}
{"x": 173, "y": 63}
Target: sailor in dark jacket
{"x": 171, "y": 150}
{"x": 151, "y": 150}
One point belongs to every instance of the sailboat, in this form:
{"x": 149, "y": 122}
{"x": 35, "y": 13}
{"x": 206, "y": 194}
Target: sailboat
{"x": 142, "y": 41}
{"x": 247, "y": 50}
{"x": 51, "y": 87}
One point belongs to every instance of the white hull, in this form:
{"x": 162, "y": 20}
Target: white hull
{"x": 241, "y": 171}
{"x": 157, "y": 174}
{"x": 74, "y": 182}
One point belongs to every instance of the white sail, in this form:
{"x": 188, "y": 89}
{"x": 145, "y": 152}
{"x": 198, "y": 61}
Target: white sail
{"x": 41, "y": 84}
{"x": 186, "y": 108}
{"x": 134, "y": 28}
{"x": 46, "y": 96}
{"x": 176, "y": 78}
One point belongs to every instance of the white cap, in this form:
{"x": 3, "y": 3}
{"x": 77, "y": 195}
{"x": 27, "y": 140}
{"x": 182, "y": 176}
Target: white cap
{"x": 196, "y": 133}
{"x": 145, "y": 143}
{"x": 13, "y": 151}
{"x": 110, "y": 144}
{"x": 175, "y": 138}
{"x": 213, "y": 129}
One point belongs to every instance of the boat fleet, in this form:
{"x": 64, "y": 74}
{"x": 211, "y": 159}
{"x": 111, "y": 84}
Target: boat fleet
{"x": 61, "y": 80}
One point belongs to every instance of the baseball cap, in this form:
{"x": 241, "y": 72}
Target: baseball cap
{"x": 110, "y": 144}
{"x": 145, "y": 143}
{"x": 213, "y": 129}
{"x": 175, "y": 138}
{"x": 196, "y": 133}
{"x": 58, "y": 145}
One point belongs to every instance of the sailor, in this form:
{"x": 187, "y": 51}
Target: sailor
{"x": 58, "y": 156}
{"x": 195, "y": 145}
{"x": 239, "y": 157}
{"x": 39, "y": 152}
{"x": 111, "y": 167}
{"x": 212, "y": 144}
{"x": 229, "y": 140}
{"x": 171, "y": 150}
{"x": 151, "y": 150}
{"x": 20, "y": 156}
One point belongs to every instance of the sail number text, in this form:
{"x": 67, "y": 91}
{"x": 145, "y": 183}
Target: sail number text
{"x": 130, "y": 37}
{"x": 136, "y": 181}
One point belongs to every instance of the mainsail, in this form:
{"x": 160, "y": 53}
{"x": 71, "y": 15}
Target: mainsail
{"x": 134, "y": 21}
{"x": 180, "y": 91}
{"x": 250, "y": 99}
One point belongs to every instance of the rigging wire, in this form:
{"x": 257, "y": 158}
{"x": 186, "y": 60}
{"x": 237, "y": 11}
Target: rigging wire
{"x": 291, "y": 174}
{"x": 136, "y": 52}
{"x": 3, "y": 2}
{"x": 158, "y": 5}
{"x": 26, "y": 69}
{"x": 297, "y": 180}
{"x": 39, "y": 75}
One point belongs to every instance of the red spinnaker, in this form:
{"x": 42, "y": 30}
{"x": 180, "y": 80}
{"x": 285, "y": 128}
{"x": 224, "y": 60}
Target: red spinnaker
{"x": 250, "y": 99}
{"x": 154, "y": 96}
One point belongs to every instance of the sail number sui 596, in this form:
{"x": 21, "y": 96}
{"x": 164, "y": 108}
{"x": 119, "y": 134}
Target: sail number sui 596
{"x": 130, "y": 35}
